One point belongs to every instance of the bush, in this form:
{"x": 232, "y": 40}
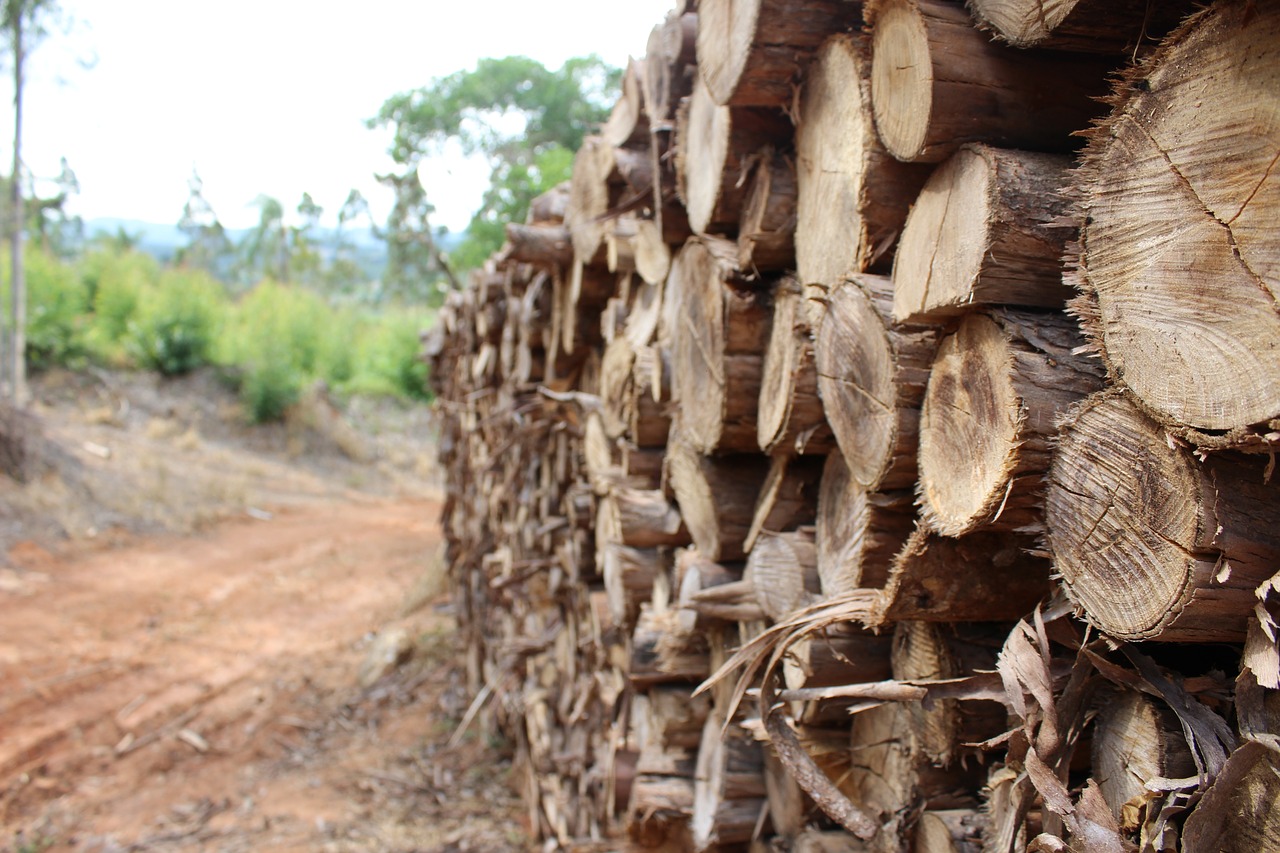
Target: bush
{"x": 116, "y": 283}
{"x": 177, "y": 322}
{"x": 56, "y": 307}
{"x": 390, "y": 357}
{"x": 284, "y": 337}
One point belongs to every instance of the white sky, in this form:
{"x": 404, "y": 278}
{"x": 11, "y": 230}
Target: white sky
{"x": 270, "y": 96}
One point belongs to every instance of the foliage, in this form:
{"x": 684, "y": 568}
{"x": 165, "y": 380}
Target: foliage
{"x": 115, "y": 283}
{"x": 208, "y": 246}
{"x": 525, "y": 118}
{"x": 282, "y": 337}
{"x": 56, "y": 306}
{"x": 177, "y": 322}
{"x": 390, "y": 357}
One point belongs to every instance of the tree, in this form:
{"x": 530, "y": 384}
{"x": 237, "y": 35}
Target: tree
{"x": 208, "y": 246}
{"x": 526, "y": 119}
{"x": 26, "y": 23}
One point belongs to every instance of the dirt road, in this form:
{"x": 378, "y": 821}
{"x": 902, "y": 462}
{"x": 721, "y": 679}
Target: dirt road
{"x": 201, "y": 693}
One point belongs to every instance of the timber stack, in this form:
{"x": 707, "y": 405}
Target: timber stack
{"x": 870, "y": 447}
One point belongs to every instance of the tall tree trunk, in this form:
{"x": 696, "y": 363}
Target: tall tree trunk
{"x": 17, "y": 282}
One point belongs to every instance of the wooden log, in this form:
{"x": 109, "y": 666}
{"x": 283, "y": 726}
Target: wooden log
{"x": 628, "y": 122}
{"x": 751, "y": 53}
{"x": 629, "y": 575}
{"x": 872, "y": 375}
{"x": 640, "y": 519}
{"x": 783, "y": 569}
{"x": 790, "y": 414}
{"x": 859, "y": 532}
{"x": 767, "y": 229}
{"x": 891, "y": 777}
{"x": 990, "y": 412}
{"x": 670, "y": 64}
{"x": 642, "y": 467}
{"x": 852, "y": 196}
{"x": 651, "y": 252}
{"x": 656, "y": 660}
{"x": 539, "y": 244}
{"x": 1150, "y": 542}
{"x": 841, "y": 654}
{"x": 989, "y": 228}
{"x": 698, "y": 582}
{"x": 675, "y": 717}
{"x": 651, "y": 395}
{"x": 713, "y": 145}
{"x": 814, "y": 840}
{"x": 789, "y": 497}
{"x": 788, "y": 805}
{"x": 938, "y": 82}
{"x": 924, "y": 650}
{"x": 950, "y": 831}
{"x": 1137, "y": 739}
{"x": 1238, "y": 813}
{"x": 619, "y": 244}
{"x": 601, "y": 456}
{"x": 719, "y": 332}
{"x": 717, "y": 497}
{"x": 1178, "y": 252}
{"x": 616, "y": 386}
{"x": 591, "y": 194}
{"x": 1120, "y": 27}
{"x": 980, "y": 577}
{"x": 549, "y": 207}
{"x": 729, "y": 791}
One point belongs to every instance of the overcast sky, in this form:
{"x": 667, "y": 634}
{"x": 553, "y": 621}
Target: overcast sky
{"x": 270, "y": 96}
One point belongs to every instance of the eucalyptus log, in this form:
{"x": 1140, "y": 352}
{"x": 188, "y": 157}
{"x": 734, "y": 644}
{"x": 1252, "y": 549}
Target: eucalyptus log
{"x": 1137, "y": 740}
{"x": 539, "y": 244}
{"x": 670, "y": 64}
{"x": 629, "y": 574}
{"x": 616, "y": 386}
{"x": 729, "y": 790}
{"x": 990, "y": 413}
{"x": 891, "y": 776}
{"x": 859, "y": 532}
{"x": 1151, "y": 542}
{"x": 950, "y": 831}
{"x": 840, "y": 654}
{"x": 979, "y": 577}
{"x": 656, "y": 660}
{"x": 938, "y": 82}
{"x": 651, "y": 253}
{"x": 852, "y": 196}
{"x": 1179, "y": 254}
{"x": 713, "y": 145}
{"x": 767, "y": 229}
{"x": 675, "y": 717}
{"x": 628, "y": 122}
{"x": 698, "y": 599}
{"x": 924, "y": 650}
{"x": 989, "y": 228}
{"x": 719, "y": 331}
{"x": 788, "y": 498}
{"x": 1238, "y": 813}
{"x": 752, "y": 53}
{"x": 790, "y": 414}
{"x": 717, "y": 497}
{"x": 549, "y": 208}
{"x": 591, "y": 195}
{"x": 872, "y": 375}
{"x": 640, "y": 519}
{"x": 651, "y": 396}
{"x": 783, "y": 569}
{"x": 1121, "y": 27}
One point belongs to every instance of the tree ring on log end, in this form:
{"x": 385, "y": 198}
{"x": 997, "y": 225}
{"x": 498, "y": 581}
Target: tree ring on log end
{"x": 901, "y": 79}
{"x": 1123, "y": 514}
{"x": 857, "y": 383}
{"x": 709, "y": 127}
{"x": 1180, "y": 202}
{"x": 726, "y": 30}
{"x": 969, "y": 427}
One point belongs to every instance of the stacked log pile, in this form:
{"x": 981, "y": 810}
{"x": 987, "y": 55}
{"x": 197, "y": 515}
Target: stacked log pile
{"x": 870, "y": 448}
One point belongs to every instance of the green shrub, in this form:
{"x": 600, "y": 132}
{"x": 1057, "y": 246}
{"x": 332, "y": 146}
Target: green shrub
{"x": 116, "y": 283}
{"x": 177, "y": 322}
{"x": 390, "y": 357}
{"x": 283, "y": 338}
{"x": 56, "y": 308}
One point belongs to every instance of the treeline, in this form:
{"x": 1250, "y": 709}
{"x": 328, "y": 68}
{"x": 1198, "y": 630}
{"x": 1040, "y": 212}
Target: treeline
{"x": 117, "y": 307}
